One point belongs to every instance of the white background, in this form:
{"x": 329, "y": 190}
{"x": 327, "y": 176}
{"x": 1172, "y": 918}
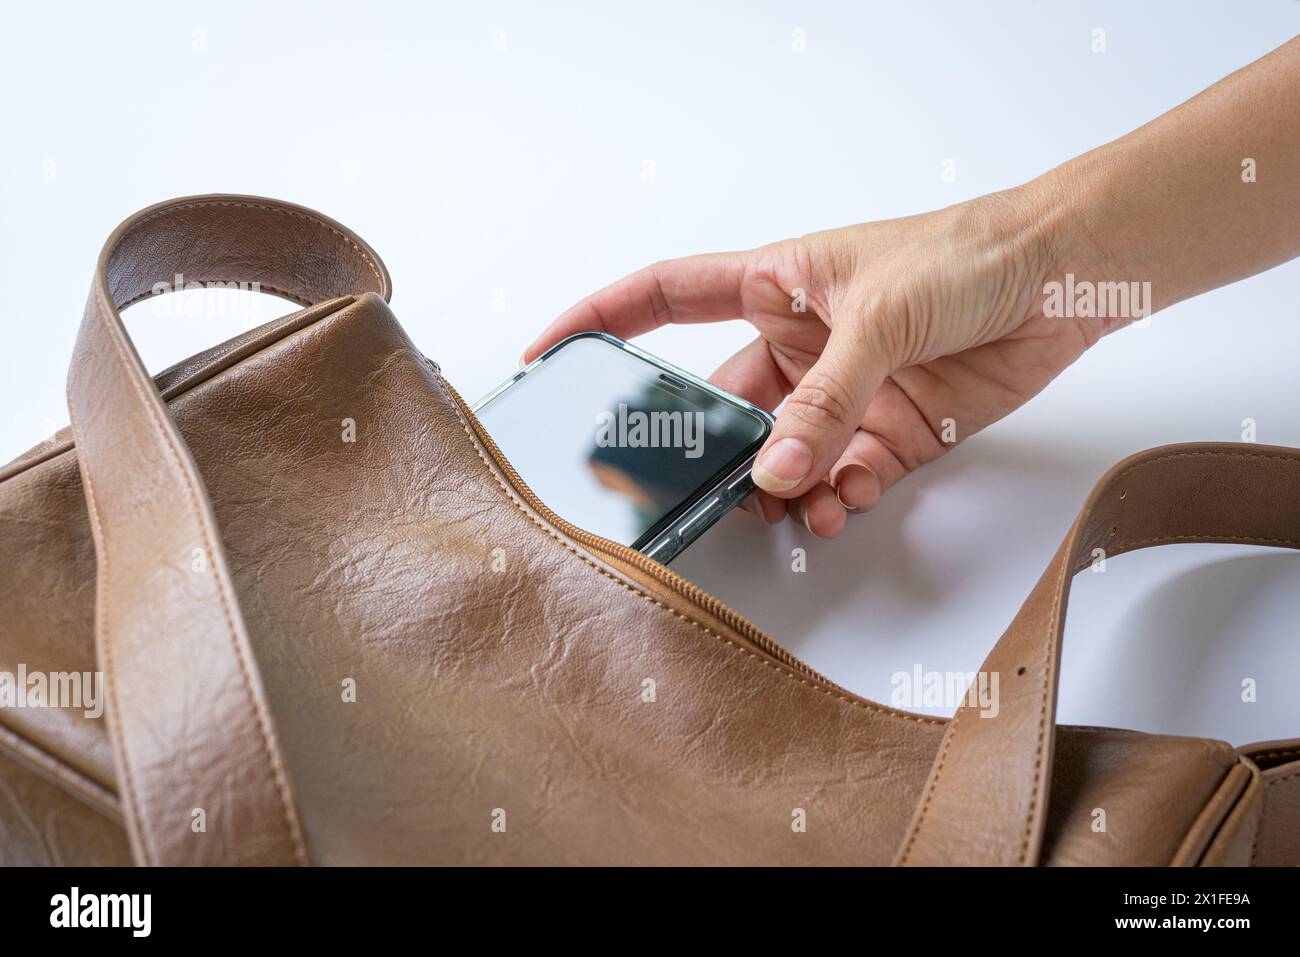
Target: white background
{"x": 523, "y": 155}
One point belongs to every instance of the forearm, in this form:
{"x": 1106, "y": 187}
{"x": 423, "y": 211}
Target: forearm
{"x": 1207, "y": 194}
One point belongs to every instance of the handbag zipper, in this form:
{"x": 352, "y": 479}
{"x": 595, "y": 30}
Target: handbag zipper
{"x": 630, "y": 556}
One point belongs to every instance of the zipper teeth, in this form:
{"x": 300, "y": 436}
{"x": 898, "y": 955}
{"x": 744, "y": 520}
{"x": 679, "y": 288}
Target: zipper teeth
{"x": 661, "y": 573}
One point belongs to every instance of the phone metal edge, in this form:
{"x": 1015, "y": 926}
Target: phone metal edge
{"x": 711, "y": 504}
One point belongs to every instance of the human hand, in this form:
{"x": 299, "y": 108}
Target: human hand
{"x": 888, "y": 341}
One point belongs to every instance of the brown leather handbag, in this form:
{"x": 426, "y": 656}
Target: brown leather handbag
{"x": 388, "y": 650}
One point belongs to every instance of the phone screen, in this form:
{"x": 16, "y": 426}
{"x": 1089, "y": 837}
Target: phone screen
{"x": 614, "y": 444}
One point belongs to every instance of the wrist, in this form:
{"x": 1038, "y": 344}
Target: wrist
{"x": 1098, "y": 270}
{"x": 1061, "y": 215}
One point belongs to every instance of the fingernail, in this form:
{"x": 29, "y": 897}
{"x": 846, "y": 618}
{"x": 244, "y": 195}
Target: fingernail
{"x": 783, "y": 466}
{"x": 856, "y": 487}
{"x": 523, "y": 358}
{"x": 768, "y": 520}
{"x": 801, "y": 512}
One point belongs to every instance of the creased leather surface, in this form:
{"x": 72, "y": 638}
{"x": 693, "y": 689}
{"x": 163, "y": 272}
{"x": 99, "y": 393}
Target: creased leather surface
{"x": 1103, "y": 798}
{"x": 40, "y": 824}
{"x": 518, "y": 689}
{"x": 435, "y": 673}
{"x": 188, "y": 719}
{"x": 1278, "y": 842}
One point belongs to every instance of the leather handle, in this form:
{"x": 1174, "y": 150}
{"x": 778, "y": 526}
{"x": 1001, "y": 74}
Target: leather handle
{"x": 200, "y": 770}
{"x": 986, "y": 798}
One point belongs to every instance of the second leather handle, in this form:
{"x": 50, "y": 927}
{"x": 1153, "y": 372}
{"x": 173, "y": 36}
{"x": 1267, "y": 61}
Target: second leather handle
{"x": 986, "y": 798}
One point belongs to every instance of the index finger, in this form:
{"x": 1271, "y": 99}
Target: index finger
{"x": 704, "y": 288}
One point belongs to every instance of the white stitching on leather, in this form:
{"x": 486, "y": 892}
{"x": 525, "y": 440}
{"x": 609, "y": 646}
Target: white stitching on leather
{"x": 101, "y": 586}
{"x": 368, "y": 259}
{"x": 277, "y": 770}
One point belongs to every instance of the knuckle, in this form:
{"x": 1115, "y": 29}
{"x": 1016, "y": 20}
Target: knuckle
{"x": 660, "y": 307}
{"x": 821, "y": 401}
{"x": 880, "y": 320}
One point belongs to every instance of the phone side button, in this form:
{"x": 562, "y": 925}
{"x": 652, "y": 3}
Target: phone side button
{"x": 665, "y": 549}
{"x": 701, "y": 520}
{"x": 741, "y": 488}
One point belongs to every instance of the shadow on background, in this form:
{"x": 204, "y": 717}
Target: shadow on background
{"x": 934, "y": 575}
{"x": 1172, "y": 659}
{"x": 898, "y": 564}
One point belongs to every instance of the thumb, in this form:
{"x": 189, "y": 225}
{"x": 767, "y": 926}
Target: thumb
{"x": 821, "y": 415}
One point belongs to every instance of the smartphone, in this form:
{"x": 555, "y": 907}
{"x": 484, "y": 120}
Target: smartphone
{"x": 624, "y": 445}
